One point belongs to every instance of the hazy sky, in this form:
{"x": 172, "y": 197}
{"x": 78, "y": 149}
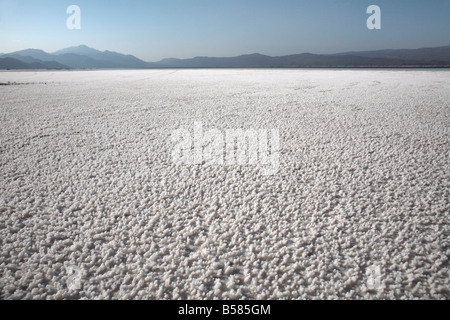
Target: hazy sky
{"x": 156, "y": 29}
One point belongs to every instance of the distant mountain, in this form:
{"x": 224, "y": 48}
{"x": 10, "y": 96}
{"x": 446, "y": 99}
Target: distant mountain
{"x": 34, "y": 53}
{"x": 100, "y": 59}
{"x": 245, "y": 61}
{"x": 34, "y": 61}
{"x": 304, "y": 60}
{"x": 81, "y": 50}
{"x": 76, "y": 61}
{"x": 435, "y": 57}
{"x": 441, "y": 54}
{"x": 12, "y": 63}
{"x": 83, "y": 57}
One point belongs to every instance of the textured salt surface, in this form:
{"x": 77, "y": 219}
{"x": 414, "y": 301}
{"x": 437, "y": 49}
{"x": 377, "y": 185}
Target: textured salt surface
{"x": 91, "y": 205}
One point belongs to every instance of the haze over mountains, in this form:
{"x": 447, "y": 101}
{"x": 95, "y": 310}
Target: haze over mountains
{"x": 83, "y": 57}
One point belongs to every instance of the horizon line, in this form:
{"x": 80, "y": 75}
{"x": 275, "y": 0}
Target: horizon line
{"x": 233, "y": 56}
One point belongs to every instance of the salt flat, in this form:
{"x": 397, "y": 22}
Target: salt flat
{"x": 92, "y": 204}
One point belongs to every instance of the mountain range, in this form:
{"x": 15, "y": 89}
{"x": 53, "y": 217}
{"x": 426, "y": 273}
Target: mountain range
{"x": 83, "y": 57}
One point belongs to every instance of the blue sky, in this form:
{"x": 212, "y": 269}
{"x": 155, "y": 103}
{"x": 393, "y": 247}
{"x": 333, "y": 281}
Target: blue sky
{"x": 156, "y": 29}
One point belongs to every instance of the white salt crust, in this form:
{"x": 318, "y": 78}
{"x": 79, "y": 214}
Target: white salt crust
{"x": 87, "y": 183}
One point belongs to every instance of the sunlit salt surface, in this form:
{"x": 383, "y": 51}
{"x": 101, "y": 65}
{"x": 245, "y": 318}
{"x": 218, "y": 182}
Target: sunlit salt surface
{"x": 92, "y": 205}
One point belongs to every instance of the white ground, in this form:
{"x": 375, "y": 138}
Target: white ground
{"x": 358, "y": 209}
